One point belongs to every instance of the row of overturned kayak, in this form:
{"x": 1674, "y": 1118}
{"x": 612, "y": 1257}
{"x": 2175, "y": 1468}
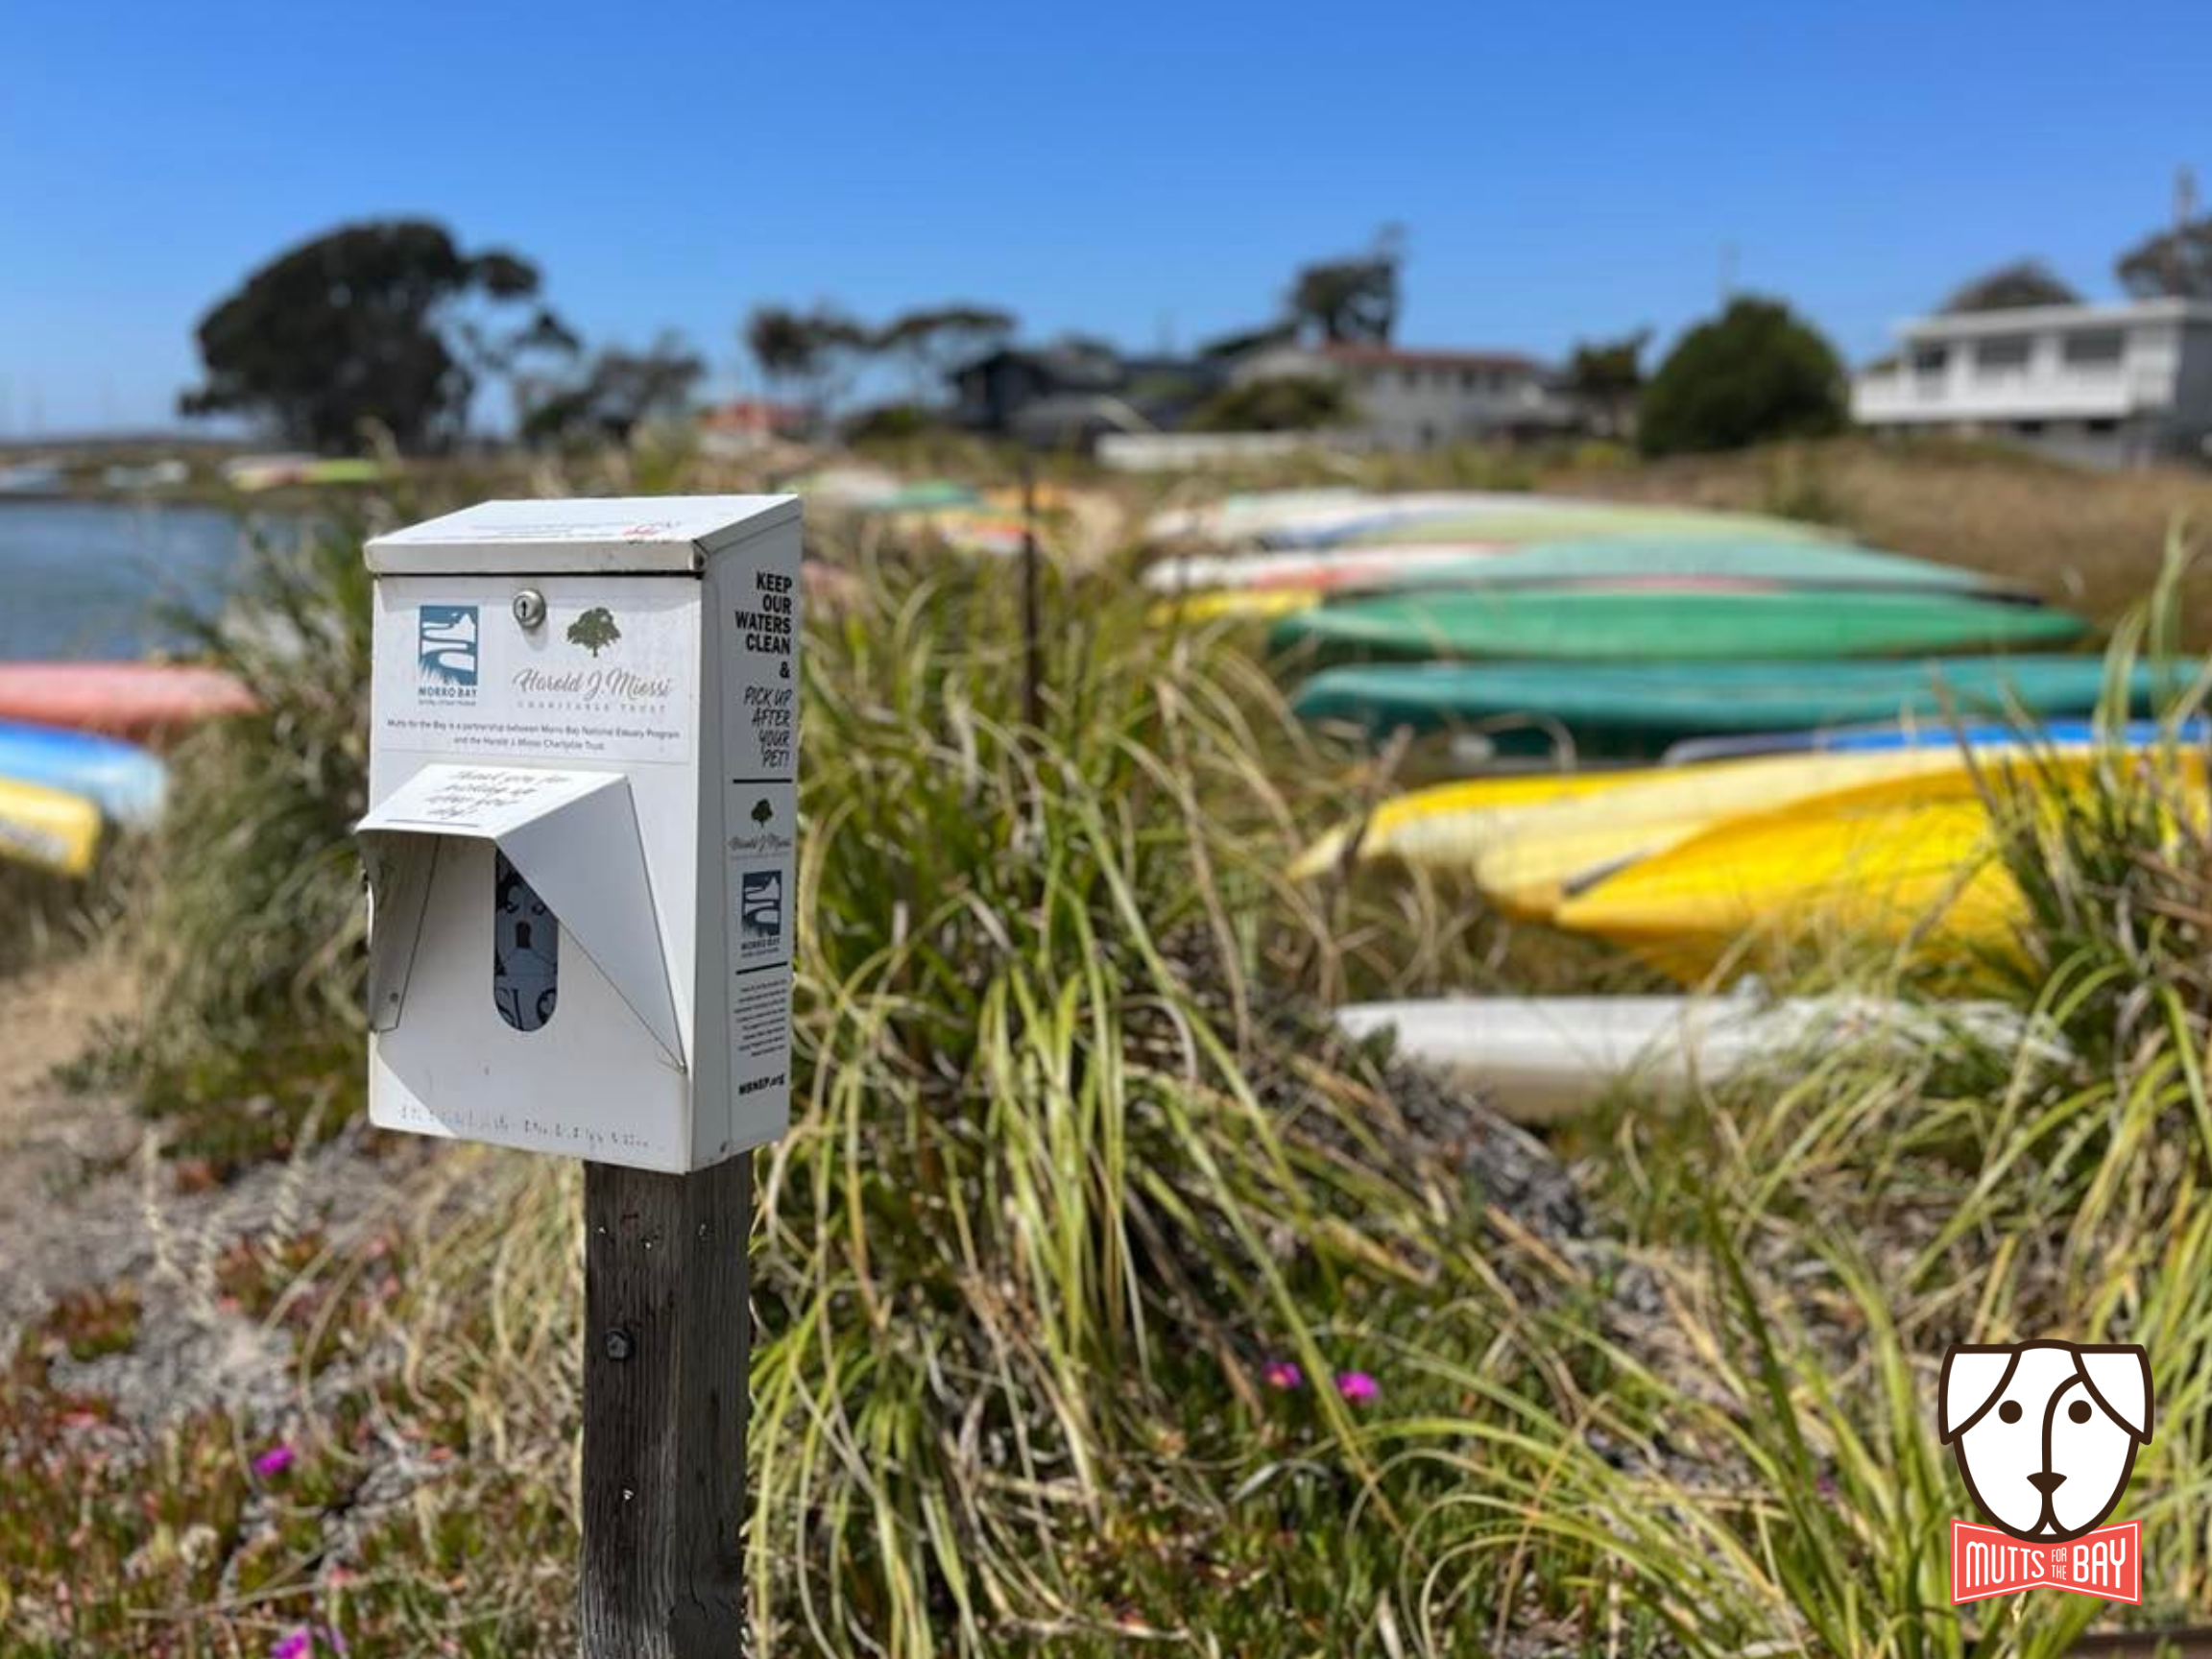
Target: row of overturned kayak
{"x": 79, "y": 750}
{"x": 1714, "y": 740}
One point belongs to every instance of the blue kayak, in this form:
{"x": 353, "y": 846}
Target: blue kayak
{"x": 1931, "y": 734}
{"x": 121, "y": 778}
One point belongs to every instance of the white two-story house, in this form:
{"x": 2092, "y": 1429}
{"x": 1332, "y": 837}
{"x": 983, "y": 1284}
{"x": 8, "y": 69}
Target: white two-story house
{"x": 2106, "y": 385}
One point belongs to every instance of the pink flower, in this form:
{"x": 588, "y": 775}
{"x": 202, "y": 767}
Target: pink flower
{"x": 1357, "y": 1387}
{"x": 1282, "y": 1374}
{"x": 275, "y": 1461}
{"x": 302, "y": 1642}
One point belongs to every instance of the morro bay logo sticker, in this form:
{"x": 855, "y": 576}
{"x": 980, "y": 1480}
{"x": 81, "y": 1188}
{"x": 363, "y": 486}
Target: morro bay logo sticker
{"x": 2046, "y": 1436}
{"x": 760, "y": 912}
{"x": 446, "y": 637}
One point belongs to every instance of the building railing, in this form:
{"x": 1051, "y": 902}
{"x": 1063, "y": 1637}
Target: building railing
{"x": 2037, "y": 391}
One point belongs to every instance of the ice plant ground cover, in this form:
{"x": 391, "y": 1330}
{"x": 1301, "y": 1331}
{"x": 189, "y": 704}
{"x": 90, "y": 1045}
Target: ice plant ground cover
{"x": 1103, "y": 1297}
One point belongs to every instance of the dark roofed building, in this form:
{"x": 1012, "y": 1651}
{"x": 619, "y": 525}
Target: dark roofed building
{"x": 1070, "y": 393}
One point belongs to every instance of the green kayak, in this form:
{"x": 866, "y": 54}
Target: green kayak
{"x": 1670, "y": 624}
{"x": 1601, "y": 560}
{"x": 924, "y": 495}
{"x": 1629, "y": 709}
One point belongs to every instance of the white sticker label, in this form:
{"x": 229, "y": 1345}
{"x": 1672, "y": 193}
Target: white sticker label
{"x": 764, "y": 836}
{"x": 611, "y": 674}
{"x": 460, "y": 799}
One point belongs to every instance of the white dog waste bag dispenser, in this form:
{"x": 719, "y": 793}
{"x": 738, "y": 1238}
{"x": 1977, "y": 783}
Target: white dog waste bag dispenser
{"x": 583, "y": 778}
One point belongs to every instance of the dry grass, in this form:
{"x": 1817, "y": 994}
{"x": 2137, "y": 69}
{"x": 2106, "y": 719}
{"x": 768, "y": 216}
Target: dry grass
{"x": 2092, "y": 539}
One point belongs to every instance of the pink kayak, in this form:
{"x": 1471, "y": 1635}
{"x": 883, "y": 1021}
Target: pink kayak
{"x": 124, "y": 699}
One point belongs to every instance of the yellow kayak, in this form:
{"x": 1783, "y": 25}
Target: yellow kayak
{"x": 48, "y": 828}
{"x": 1524, "y": 838}
{"x": 1442, "y": 824}
{"x": 1545, "y": 855}
{"x": 1887, "y": 861}
{"x": 1243, "y": 604}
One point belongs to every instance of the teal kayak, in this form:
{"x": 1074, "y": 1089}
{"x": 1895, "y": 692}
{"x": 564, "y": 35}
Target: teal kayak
{"x": 928, "y": 495}
{"x": 1671, "y": 624}
{"x": 1636, "y": 709}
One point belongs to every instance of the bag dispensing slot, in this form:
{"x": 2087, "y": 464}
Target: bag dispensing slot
{"x": 566, "y": 861}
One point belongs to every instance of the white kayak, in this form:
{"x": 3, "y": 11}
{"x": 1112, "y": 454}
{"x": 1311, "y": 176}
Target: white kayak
{"x": 1332, "y": 513}
{"x": 1323, "y": 571}
{"x": 1239, "y": 516}
{"x": 1542, "y": 1059}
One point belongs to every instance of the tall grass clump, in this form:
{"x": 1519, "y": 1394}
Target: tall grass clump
{"x": 1826, "y": 1237}
{"x": 40, "y": 912}
{"x": 1071, "y": 1173}
{"x": 246, "y": 918}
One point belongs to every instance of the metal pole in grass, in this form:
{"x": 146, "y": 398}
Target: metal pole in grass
{"x": 1032, "y": 669}
{"x": 667, "y": 1349}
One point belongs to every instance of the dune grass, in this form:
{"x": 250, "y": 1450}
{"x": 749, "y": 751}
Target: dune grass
{"x": 1104, "y": 1301}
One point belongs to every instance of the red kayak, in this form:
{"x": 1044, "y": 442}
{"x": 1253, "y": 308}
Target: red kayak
{"x": 136, "y": 699}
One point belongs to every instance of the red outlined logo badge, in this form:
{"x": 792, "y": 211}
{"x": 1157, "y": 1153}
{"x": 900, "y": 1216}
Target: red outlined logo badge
{"x": 2046, "y": 1436}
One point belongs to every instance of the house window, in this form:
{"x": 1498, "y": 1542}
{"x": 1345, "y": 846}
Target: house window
{"x": 2102, "y": 428}
{"x": 1412, "y": 379}
{"x": 2001, "y": 354}
{"x": 1929, "y": 359}
{"x": 1466, "y": 380}
{"x": 2100, "y": 347}
{"x": 2028, "y": 428}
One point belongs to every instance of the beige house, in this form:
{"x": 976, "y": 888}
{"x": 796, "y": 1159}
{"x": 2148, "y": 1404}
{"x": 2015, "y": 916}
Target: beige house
{"x": 1417, "y": 399}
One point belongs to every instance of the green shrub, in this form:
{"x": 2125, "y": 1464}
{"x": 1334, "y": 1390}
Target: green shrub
{"x": 1752, "y": 373}
{"x": 1279, "y": 403}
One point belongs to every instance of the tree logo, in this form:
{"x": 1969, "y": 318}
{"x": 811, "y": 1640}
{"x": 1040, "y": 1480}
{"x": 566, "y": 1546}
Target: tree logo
{"x": 2046, "y": 1436}
{"x": 595, "y": 630}
{"x": 762, "y": 811}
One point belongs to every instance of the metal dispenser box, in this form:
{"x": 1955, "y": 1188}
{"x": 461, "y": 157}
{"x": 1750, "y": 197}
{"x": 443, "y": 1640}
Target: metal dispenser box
{"x": 583, "y": 820}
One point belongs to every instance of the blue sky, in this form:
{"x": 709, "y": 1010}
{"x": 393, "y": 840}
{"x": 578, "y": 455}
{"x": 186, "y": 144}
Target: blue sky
{"x": 1142, "y": 171}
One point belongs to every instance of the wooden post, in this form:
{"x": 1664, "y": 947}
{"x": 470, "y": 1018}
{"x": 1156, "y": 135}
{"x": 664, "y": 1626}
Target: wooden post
{"x": 666, "y": 1356}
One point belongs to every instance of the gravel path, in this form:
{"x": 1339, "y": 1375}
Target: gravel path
{"x": 92, "y": 1206}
